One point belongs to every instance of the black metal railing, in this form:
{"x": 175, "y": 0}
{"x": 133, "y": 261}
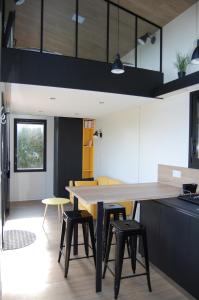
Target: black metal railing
{"x": 140, "y": 39}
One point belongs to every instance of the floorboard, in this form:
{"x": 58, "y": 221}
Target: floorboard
{"x": 33, "y": 272}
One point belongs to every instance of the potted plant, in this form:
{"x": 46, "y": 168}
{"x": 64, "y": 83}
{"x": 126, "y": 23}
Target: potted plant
{"x": 182, "y": 62}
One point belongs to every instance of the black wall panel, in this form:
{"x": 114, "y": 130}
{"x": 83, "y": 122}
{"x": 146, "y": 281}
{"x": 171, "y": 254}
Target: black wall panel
{"x": 67, "y": 153}
{"x": 28, "y": 67}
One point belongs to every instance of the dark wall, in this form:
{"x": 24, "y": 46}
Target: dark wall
{"x": 67, "y": 153}
{"x": 28, "y": 67}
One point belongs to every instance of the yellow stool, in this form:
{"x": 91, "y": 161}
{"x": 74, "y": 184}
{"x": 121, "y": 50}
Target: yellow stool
{"x": 55, "y": 201}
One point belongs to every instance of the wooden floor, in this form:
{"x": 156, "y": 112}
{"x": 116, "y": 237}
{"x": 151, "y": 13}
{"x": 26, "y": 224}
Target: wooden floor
{"x": 33, "y": 272}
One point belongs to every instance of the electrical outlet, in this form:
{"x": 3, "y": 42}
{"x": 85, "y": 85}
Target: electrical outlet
{"x": 176, "y": 173}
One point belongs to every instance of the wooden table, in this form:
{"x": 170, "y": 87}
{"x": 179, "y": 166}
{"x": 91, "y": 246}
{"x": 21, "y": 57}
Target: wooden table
{"x": 116, "y": 193}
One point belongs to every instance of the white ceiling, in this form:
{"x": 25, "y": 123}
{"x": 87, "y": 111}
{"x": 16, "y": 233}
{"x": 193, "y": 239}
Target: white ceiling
{"x": 35, "y": 100}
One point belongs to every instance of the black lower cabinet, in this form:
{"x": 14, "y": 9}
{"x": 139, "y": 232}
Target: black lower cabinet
{"x": 67, "y": 153}
{"x": 173, "y": 241}
{"x": 151, "y": 211}
{"x": 192, "y": 283}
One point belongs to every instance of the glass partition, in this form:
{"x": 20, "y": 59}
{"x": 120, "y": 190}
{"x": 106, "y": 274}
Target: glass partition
{"x": 125, "y": 43}
{"x": 148, "y": 46}
{"x": 92, "y": 29}
{"x": 95, "y": 33}
{"x": 28, "y": 25}
{"x": 9, "y": 6}
{"x": 59, "y": 27}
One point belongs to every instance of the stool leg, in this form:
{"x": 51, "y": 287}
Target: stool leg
{"x": 92, "y": 235}
{"x": 133, "y": 245}
{"x": 62, "y": 209}
{"x": 58, "y": 210}
{"x": 85, "y": 236}
{"x": 127, "y": 241}
{"x": 106, "y": 228}
{"x": 145, "y": 248}
{"x": 119, "y": 255}
{"x": 108, "y": 247}
{"x": 45, "y": 211}
{"x": 69, "y": 234}
{"x": 62, "y": 239}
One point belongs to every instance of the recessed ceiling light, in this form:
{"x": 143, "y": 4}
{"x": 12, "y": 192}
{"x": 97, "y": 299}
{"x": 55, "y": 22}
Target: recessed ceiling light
{"x": 80, "y": 19}
{"x": 101, "y": 102}
{"x": 52, "y": 98}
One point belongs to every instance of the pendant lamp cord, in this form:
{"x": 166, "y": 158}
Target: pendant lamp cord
{"x": 118, "y": 28}
{"x": 197, "y": 12}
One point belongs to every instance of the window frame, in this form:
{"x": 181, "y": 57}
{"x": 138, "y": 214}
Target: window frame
{"x": 29, "y": 121}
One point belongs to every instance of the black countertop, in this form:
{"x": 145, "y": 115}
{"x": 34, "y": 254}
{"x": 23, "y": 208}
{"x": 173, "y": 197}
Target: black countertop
{"x": 183, "y": 206}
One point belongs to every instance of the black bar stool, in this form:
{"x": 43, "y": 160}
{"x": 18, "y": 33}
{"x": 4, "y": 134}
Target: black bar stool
{"x": 125, "y": 230}
{"x": 112, "y": 210}
{"x": 70, "y": 219}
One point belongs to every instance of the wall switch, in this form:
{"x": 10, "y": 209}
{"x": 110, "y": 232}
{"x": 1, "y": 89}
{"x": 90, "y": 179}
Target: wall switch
{"x": 176, "y": 173}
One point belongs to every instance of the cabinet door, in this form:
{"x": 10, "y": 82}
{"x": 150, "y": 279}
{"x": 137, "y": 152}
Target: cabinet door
{"x": 174, "y": 243}
{"x": 194, "y": 131}
{"x": 150, "y": 217}
{"x": 192, "y": 270}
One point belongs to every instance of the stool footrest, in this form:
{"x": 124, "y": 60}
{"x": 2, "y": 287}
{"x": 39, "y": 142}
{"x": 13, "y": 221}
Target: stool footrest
{"x": 113, "y": 259}
{"x": 127, "y": 276}
{"x": 134, "y": 275}
{"x": 81, "y": 257}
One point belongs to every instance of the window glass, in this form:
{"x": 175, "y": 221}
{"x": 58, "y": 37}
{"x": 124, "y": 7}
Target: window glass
{"x": 125, "y": 45}
{"x": 30, "y": 145}
{"x": 59, "y": 26}
{"x": 148, "y": 46}
{"x": 92, "y": 27}
{"x": 28, "y": 25}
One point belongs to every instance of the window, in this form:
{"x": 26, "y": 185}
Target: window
{"x": 29, "y": 145}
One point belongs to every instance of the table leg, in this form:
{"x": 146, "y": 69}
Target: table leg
{"x": 134, "y": 209}
{"x": 45, "y": 211}
{"x": 99, "y": 246}
{"x": 75, "y": 236}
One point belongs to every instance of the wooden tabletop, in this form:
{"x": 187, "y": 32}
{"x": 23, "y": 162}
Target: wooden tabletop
{"x": 122, "y": 192}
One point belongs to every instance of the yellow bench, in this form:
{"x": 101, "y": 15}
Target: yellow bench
{"x": 102, "y": 180}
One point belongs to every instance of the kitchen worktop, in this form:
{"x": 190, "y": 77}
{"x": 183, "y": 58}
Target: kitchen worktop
{"x": 183, "y": 206}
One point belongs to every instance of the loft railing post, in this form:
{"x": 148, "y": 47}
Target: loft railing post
{"x": 161, "y": 49}
{"x": 76, "y": 28}
{"x": 107, "y": 32}
{"x": 136, "y": 38}
{"x": 42, "y": 26}
{"x": 2, "y": 20}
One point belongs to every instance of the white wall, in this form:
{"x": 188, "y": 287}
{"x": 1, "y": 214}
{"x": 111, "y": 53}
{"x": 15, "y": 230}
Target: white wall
{"x": 180, "y": 35}
{"x": 116, "y": 154}
{"x": 164, "y": 135}
{"x": 32, "y": 185}
{"x": 136, "y": 140}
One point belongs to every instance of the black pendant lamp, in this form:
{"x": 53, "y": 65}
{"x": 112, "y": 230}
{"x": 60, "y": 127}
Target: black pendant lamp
{"x": 117, "y": 66}
{"x": 195, "y": 55}
{"x": 19, "y": 2}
